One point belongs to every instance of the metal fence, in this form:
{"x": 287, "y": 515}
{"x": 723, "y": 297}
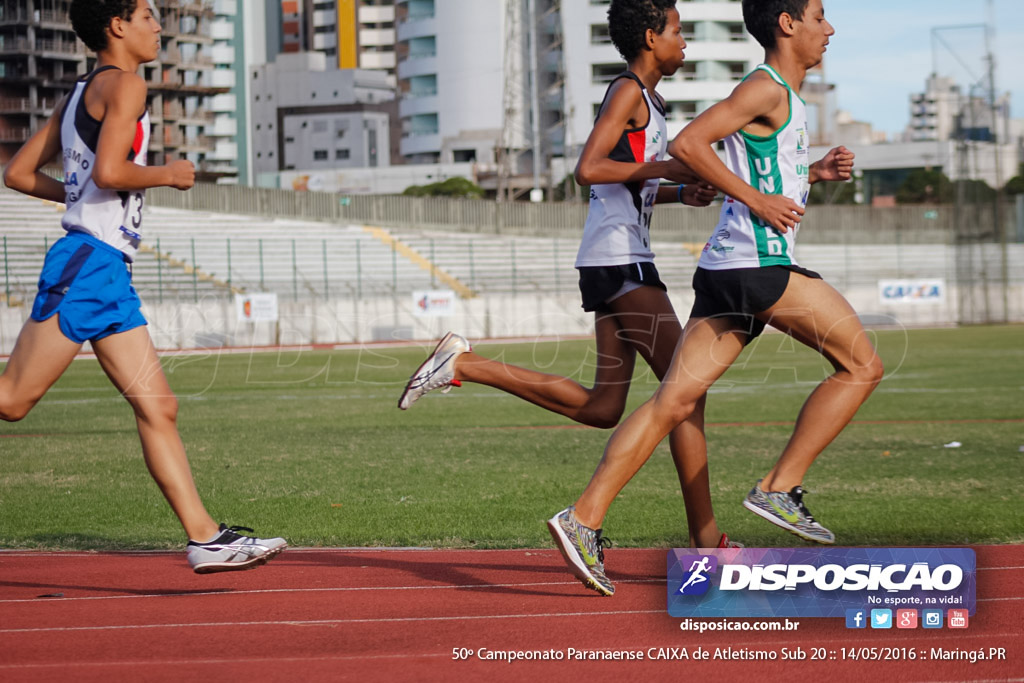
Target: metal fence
{"x": 516, "y": 249}
{"x": 823, "y": 224}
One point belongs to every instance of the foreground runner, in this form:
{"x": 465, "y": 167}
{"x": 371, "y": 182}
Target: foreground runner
{"x": 748, "y": 277}
{"x": 85, "y": 290}
{"x": 621, "y": 161}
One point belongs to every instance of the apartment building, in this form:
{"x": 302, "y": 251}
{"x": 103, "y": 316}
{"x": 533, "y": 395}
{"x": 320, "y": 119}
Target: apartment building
{"x": 40, "y": 58}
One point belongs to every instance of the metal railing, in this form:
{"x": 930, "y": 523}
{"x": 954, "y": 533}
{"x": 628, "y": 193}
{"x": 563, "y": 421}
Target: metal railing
{"x": 822, "y": 224}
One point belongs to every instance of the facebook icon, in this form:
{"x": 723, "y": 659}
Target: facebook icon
{"x": 856, "y": 618}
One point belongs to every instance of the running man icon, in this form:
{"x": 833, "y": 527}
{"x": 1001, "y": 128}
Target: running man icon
{"x": 697, "y": 575}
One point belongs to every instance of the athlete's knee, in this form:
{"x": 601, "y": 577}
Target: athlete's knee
{"x": 13, "y": 411}
{"x": 601, "y": 416}
{"x": 672, "y": 408}
{"x": 157, "y": 408}
{"x": 869, "y": 373}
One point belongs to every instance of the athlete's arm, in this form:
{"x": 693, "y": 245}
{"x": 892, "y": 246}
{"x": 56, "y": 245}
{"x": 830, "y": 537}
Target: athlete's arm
{"x": 619, "y": 112}
{"x": 836, "y": 165}
{"x": 123, "y": 98}
{"x": 754, "y": 99}
{"x": 22, "y": 172}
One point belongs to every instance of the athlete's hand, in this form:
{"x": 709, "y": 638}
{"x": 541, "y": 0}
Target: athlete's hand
{"x": 778, "y": 211}
{"x": 836, "y": 165}
{"x": 183, "y": 174}
{"x": 699, "y": 194}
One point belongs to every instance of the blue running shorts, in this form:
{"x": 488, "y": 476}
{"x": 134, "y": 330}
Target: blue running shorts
{"x": 87, "y": 283}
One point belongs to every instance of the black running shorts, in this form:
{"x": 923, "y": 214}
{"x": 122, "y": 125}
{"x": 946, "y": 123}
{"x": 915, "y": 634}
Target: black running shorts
{"x": 599, "y": 283}
{"x": 740, "y": 293}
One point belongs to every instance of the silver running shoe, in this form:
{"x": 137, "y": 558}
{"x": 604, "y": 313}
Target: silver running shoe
{"x": 583, "y": 550}
{"x": 231, "y": 551}
{"x": 437, "y": 371}
{"x": 787, "y": 510}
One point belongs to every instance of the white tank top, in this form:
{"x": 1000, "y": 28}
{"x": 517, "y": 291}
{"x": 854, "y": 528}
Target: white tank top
{"x": 108, "y": 215}
{"x": 617, "y": 231}
{"x": 777, "y": 164}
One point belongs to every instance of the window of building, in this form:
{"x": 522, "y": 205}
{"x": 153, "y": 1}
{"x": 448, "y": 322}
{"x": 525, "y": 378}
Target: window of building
{"x": 599, "y": 34}
{"x": 320, "y": 155}
{"x": 341, "y": 154}
{"x": 341, "y": 133}
{"x": 319, "y": 126}
{"x": 463, "y": 155}
{"x": 605, "y": 73}
{"x": 289, "y": 140}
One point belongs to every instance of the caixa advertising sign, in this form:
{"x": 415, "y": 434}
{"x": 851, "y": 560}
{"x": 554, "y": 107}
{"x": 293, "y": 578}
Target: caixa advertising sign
{"x": 817, "y": 582}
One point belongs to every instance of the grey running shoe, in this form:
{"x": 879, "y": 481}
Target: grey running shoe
{"x": 231, "y": 551}
{"x": 437, "y": 371}
{"x": 583, "y": 550}
{"x": 787, "y": 510}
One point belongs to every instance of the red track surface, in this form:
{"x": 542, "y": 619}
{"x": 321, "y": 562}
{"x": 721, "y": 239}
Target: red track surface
{"x": 397, "y": 615}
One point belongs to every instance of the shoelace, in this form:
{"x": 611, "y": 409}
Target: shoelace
{"x": 233, "y": 530}
{"x": 601, "y": 543}
{"x": 797, "y": 494}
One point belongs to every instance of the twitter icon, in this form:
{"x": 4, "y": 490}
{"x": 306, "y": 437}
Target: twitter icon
{"x": 881, "y": 618}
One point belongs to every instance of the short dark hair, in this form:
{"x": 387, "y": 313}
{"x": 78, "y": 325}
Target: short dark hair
{"x": 761, "y": 17}
{"x": 90, "y": 19}
{"x": 628, "y": 21}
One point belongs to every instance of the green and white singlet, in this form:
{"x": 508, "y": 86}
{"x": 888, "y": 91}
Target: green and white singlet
{"x": 776, "y": 164}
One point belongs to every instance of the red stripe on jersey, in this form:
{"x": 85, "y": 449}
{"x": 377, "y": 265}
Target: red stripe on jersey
{"x": 638, "y": 143}
{"x": 140, "y": 135}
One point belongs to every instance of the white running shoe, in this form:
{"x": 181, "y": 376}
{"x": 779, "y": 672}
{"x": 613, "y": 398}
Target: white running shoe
{"x": 437, "y": 371}
{"x": 231, "y": 551}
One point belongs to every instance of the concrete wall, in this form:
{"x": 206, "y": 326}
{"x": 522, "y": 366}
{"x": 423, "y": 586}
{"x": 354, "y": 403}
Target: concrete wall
{"x": 213, "y": 323}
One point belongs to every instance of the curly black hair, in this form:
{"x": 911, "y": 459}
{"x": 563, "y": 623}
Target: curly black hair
{"x": 762, "y": 16}
{"x": 628, "y": 21}
{"x": 90, "y": 19}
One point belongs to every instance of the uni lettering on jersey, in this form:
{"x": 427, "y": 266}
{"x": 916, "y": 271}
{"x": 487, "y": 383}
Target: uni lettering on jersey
{"x": 775, "y": 164}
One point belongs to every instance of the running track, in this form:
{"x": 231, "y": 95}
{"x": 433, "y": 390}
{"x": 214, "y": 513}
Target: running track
{"x": 396, "y": 615}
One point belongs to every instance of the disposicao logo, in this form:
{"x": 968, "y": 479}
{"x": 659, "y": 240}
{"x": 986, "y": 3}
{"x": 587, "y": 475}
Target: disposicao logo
{"x": 819, "y": 582}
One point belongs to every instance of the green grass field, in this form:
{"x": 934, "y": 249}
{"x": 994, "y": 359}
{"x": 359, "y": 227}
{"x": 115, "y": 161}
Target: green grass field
{"x": 310, "y": 446}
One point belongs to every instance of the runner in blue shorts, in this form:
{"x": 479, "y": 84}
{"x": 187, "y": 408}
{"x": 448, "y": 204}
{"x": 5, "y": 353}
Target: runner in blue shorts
{"x": 101, "y": 129}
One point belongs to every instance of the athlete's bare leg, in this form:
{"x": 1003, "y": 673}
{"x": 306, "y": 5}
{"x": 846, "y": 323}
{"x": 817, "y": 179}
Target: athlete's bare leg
{"x": 41, "y": 355}
{"x": 598, "y": 406}
{"x": 709, "y": 346}
{"x": 656, "y": 333}
{"x": 130, "y": 361}
{"x": 642, "y": 320}
{"x": 814, "y": 313}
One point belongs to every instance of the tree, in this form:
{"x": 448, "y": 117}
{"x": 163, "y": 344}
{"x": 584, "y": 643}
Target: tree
{"x": 452, "y": 187}
{"x": 1015, "y": 185}
{"x": 925, "y": 187}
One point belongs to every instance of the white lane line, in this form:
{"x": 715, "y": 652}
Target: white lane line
{"x": 263, "y": 591}
{"x": 470, "y": 586}
{"x": 233, "y": 660}
{"x": 330, "y": 622}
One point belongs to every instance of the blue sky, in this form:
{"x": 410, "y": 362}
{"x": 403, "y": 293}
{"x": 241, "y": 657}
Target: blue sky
{"x": 882, "y": 52}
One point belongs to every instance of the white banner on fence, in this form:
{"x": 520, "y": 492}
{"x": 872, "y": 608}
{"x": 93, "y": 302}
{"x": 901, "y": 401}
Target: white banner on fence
{"x": 912, "y": 291}
{"x": 435, "y": 303}
{"x": 256, "y": 308}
